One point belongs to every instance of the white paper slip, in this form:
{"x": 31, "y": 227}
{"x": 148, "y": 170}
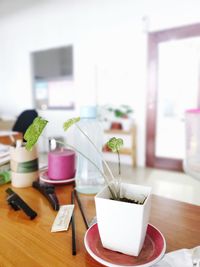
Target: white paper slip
{"x": 63, "y": 217}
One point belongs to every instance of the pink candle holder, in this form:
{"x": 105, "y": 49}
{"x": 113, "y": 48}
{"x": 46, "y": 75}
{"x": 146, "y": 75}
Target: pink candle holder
{"x": 61, "y": 164}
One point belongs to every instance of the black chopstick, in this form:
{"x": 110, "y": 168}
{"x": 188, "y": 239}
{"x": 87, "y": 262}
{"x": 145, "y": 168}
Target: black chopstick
{"x": 81, "y": 209}
{"x": 73, "y": 227}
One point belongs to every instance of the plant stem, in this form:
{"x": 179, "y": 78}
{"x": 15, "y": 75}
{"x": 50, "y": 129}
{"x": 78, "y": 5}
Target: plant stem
{"x": 116, "y": 184}
{"x": 119, "y": 179}
{"x": 119, "y": 163}
{"x": 113, "y": 193}
{"x": 97, "y": 150}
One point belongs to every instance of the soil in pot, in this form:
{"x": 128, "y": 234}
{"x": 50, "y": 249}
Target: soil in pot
{"x": 128, "y": 200}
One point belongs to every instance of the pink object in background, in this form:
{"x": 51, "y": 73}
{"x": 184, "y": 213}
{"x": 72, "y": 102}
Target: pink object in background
{"x": 61, "y": 164}
{"x": 193, "y": 110}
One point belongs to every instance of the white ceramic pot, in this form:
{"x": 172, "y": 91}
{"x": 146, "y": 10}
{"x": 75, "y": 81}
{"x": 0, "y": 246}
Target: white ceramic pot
{"x": 24, "y": 166}
{"x": 122, "y": 226}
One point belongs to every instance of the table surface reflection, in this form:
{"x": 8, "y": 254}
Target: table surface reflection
{"x": 25, "y": 242}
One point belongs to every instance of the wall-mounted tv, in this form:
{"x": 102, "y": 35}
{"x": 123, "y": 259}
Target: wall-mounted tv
{"x": 52, "y": 72}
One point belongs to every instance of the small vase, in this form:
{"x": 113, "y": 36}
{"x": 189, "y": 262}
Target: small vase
{"x": 24, "y": 166}
{"x": 122, "y": 225}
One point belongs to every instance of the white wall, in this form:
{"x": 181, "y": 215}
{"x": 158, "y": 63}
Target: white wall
{"x": 109, "y": 50}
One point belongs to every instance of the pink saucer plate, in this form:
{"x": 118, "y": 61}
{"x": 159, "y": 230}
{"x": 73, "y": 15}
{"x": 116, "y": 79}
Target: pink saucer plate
{"x": 153, "y": 249}
{"x": 45, "y": 178}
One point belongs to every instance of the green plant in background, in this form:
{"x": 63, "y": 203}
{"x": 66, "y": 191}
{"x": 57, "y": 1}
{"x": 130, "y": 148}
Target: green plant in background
{"x": 36, "y": 128}
{"x": 122, "y": 111}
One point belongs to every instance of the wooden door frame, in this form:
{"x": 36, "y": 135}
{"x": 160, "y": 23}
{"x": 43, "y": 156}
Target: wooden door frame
{"x": 154, "y": 39}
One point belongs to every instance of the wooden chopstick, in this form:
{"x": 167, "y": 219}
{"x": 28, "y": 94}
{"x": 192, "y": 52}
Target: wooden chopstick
{"x": 73, "y": 227}
{"x": 81, "y": 209}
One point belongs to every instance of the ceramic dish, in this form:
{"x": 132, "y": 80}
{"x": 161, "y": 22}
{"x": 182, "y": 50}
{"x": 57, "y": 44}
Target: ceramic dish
{"x": 45, "y": 178}
{"x": 152, "y": 251}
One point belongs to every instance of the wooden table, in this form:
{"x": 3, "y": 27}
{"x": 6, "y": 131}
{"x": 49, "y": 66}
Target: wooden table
{"x": 8, "y": 137}
{"x": 25, "y": 242}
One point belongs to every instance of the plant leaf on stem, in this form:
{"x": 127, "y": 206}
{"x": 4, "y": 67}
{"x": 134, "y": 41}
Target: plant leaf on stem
{"x": 70, "y": 122}
{"x": 34, "y": 131}
{"x": 115, "y": 144}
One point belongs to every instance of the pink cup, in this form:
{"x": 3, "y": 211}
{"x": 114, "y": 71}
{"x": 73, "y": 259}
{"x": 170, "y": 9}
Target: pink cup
{"x": 61, "y": 164}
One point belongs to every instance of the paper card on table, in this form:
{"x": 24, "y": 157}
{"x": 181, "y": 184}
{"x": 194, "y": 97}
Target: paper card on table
{"x": 62, "y": 220}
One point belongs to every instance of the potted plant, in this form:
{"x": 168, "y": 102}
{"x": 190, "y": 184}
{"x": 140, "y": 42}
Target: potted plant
{"x": 116, "y": 220}
{"x": 122, "y": 209}
{"x": 121, "y": 117}
{"x": 122, "y": 111}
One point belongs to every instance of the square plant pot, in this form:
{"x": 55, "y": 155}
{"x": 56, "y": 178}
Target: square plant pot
{"x": 122, "y": 225}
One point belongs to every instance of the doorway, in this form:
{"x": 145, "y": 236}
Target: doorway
{"x": 173, "y": 87}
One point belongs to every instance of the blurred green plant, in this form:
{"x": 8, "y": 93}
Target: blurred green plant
{"x": 122, "y": 111}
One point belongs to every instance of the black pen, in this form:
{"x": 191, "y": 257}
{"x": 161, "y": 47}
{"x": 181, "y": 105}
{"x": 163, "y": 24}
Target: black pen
{"x": 81, "y": 209}
{"x": 73, "y": 227}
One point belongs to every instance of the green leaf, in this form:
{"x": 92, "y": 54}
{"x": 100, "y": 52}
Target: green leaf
{"x": 115, "y": 144}
{"x": 119, "y": 113}
{"x": 70, "y": 122}
{"x": 34, "y": 131}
